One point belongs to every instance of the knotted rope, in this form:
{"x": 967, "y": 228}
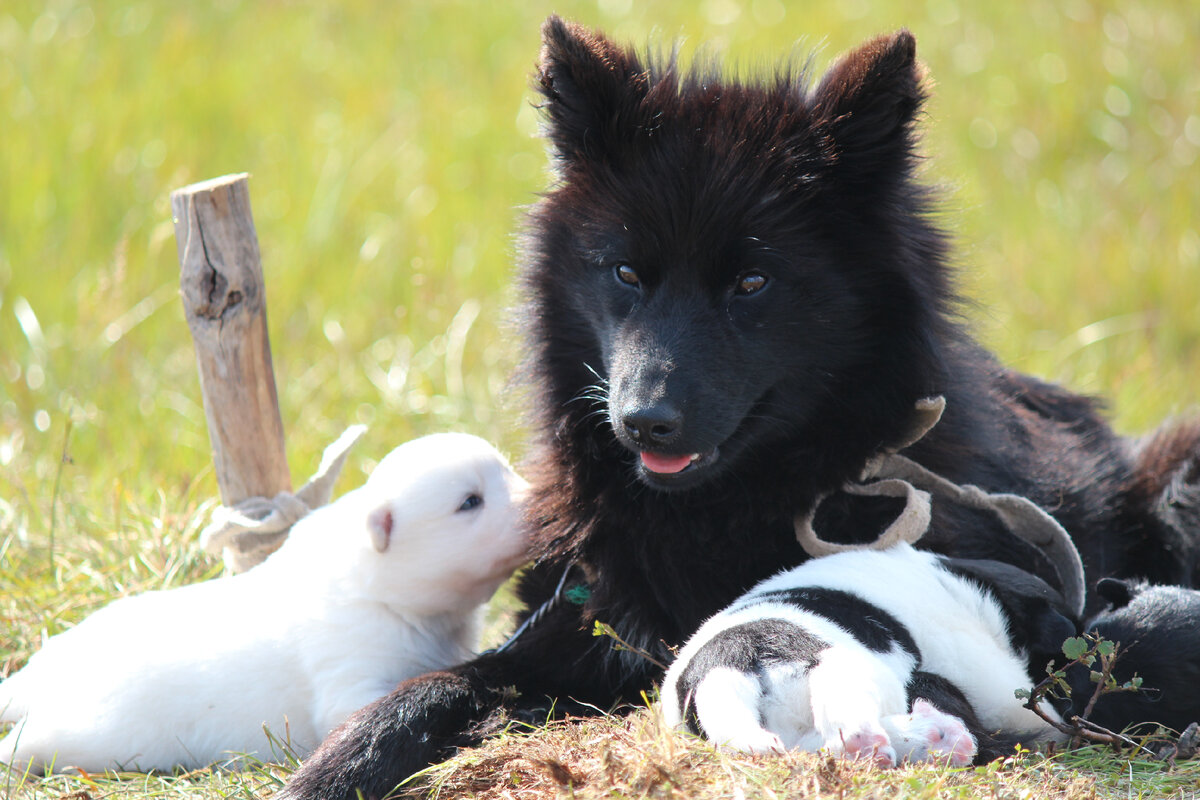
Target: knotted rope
{"x": 893, "y": 475}
{"x": 253, "y": 529}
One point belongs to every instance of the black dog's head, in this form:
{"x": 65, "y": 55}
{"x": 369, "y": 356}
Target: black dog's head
{"x": 723, "y": 267}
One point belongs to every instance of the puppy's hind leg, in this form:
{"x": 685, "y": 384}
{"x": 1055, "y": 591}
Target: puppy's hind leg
{"x": 728, "y": 710}
{"x": 852, "y": 691}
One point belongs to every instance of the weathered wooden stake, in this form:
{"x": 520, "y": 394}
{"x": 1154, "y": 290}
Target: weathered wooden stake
{"x": 224, "y": 300}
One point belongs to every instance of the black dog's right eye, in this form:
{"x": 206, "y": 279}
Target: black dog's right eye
{"x": 750, "y": 283}
{"x": 627, "y": 275}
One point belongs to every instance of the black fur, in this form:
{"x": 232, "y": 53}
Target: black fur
{"x": 748, "y": 648}
{"x": 648, "y": 328}
{"x": 873, "y": 627}
{"x": 1158, "y": 628}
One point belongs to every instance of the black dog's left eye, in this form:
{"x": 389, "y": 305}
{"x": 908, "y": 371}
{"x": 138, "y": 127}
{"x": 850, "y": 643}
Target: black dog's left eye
{"x": 472, "y": 501}
{"x": 750, "y": 283}
{"x": 627, "y": 275}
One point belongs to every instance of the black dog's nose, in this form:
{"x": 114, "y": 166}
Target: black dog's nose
{"x": 656, "y": 424}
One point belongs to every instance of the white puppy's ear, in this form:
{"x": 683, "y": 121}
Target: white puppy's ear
{"x": 379, "y": 526}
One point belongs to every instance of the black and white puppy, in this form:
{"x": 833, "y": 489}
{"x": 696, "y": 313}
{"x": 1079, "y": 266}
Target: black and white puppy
{"x": 857, "y": 653}
{"x": 1158, "y": 628}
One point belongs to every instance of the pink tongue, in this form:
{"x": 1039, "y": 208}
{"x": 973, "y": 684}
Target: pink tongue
{"x": 665, "y": 464}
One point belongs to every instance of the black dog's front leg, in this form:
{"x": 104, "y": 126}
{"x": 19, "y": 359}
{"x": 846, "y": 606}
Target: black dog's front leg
{"x": 556, "y": 666}
{"x": 418, "y": 724}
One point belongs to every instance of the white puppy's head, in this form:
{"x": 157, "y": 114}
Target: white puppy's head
{"x": 443, "y": 520}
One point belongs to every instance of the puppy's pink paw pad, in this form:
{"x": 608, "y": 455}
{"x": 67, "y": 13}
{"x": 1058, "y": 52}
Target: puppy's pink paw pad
{"x": 870, "y": 744}
{"x": 933, "y": 735}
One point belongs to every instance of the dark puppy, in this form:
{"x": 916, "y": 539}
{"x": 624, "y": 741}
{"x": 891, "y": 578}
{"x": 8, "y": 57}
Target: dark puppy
{"x": 734, "y": 295}
{"x": 1158, "y": 628}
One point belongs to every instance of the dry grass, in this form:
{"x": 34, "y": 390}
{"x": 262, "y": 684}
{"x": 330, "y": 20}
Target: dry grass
{"x": 635, "y": 757}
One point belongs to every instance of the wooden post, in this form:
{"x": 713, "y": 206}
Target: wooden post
{"x": 224, "y": 300}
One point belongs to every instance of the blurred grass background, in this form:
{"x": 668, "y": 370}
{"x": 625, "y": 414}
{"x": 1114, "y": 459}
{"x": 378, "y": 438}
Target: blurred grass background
{"x": 391, "y": 146}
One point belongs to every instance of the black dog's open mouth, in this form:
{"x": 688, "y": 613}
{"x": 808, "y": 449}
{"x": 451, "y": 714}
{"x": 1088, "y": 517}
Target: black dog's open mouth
{"x": 673, "y": 471}
{"x": 669, "y": 469}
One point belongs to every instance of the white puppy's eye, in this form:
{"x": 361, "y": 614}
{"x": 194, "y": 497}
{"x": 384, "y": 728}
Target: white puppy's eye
{"x": 472, "y": 501}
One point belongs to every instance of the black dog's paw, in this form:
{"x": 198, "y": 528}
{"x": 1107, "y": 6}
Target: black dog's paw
{"x": 421, "y": 723}
{"x": 371, "y": 753}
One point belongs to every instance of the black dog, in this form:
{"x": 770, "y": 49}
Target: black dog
{"x": 735, "y": 293}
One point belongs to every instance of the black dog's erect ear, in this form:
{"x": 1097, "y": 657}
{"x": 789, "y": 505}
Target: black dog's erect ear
{"x": 587, "y": 80}
{"x": 1116, "y": 591}
{"x": 868, "y": 100}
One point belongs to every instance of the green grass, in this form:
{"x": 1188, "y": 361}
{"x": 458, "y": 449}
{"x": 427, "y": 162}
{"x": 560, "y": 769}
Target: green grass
{"x": 391, "y": 145}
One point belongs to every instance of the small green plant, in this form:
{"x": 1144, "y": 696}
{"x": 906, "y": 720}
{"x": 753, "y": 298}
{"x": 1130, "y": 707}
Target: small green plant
{"x": 1099, "y": 656}
{"x": 1091, "y": 651}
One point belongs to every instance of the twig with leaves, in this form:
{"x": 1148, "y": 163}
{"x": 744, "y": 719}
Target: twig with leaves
{"x": 1083, "y": 651}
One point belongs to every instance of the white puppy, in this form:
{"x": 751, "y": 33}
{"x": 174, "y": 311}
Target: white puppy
{"x": 380, "y": 585}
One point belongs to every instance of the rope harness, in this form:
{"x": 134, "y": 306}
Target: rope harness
{"x": 890, "y": 474}
{"x": 251, "y": 530}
